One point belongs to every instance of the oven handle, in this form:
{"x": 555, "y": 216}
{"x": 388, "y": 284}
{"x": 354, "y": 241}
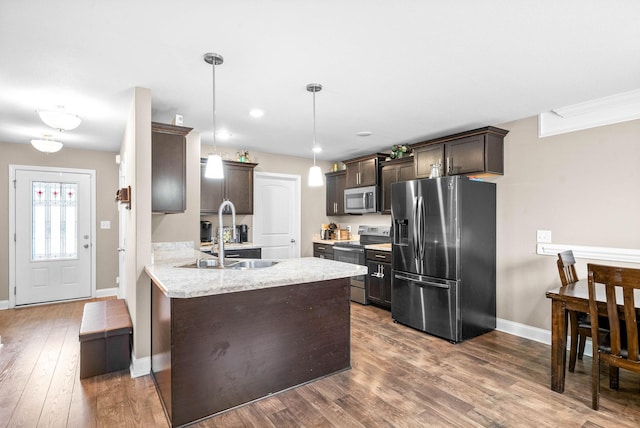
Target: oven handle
{"x": 350, "y": 250}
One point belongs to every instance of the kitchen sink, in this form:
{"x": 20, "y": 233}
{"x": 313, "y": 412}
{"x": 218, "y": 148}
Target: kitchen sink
{"x": 230, "y": 264}
{"x": 252, "y": 264}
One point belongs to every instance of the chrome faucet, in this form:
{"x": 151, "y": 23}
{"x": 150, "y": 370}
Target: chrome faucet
{"x": 225, "y": 203}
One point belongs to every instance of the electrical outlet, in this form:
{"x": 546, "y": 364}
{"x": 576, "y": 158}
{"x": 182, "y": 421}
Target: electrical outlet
{"x": 544, "y": 236}
{"x": 105, "y": 224}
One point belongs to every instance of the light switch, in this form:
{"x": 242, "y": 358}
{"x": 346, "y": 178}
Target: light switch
{"x": 105, "y": 224}
{"x": 544, "y": 236}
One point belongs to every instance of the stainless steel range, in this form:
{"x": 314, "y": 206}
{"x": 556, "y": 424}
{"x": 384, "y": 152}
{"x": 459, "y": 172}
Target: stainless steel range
{"x": 353, "y": 252}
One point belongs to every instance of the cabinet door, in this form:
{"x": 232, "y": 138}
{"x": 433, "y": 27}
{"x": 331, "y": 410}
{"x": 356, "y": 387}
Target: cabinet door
{"x": 374, "y": 284}
{"x": 369, "y": 172}
{"x": 239, "y": 188}
{"x": 406, "y": 172}
{"x": 332, "y": 207}
{"x": 211, "y": 192}
{"x": 465, "y": 155}
{"x": 353, "y": 174}
{"x": 388, "y": 176}
{"x": 168, "y": 172}
{"x": 340, "y": 185}
{"x": 424, "y": 157}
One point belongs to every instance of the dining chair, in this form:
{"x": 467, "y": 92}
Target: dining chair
{"x": 619, "y": 347}
{"x": 578, "y": 321}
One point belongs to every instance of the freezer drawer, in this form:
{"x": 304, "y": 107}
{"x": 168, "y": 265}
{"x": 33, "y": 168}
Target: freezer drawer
{"x": 427, "y": 304}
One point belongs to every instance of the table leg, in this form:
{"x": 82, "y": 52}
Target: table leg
{"x": 558, "y": 345}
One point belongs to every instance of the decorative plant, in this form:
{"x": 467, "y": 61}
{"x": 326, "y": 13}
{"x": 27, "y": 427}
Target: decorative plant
{"x": 243, "y": 156}
{"x": 397, "y": 151}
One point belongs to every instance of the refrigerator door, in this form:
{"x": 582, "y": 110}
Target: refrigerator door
{"x": 406, "y": 239}
{"x": 440, "y": 235}
{"x": 427, "y": 304}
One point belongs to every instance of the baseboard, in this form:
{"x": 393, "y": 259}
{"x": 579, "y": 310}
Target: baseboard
{"x": 107, "y": 292}
{"x": 140, "y": 366}
{"x": 533, "y": 333}
{"x": 4, "y": 304}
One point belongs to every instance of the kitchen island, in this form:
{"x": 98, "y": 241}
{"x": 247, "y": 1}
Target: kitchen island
{"x": 223, "y": 338}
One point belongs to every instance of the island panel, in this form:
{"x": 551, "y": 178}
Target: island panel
{"x": 233, "y": 348}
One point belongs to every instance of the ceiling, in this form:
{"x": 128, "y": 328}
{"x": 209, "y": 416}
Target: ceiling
{"x": 406, "y": 70}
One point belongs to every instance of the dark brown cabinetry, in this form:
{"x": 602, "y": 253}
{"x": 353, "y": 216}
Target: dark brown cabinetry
{"x": 236, "y": 186}
{"x": 168, "y": 168}
{"x": 242, "y": 253}
{"x": 336, "y": 183}
{"x": 393, "y": 172}
{"x": 363, "y": 171}
{"x": 477, "y": 152}
{"x": 323, "y": 251}
{"x": 378, "y": 282}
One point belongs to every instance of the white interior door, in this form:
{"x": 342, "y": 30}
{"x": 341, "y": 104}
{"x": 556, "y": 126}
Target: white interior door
{"x": 276, "y": 217}
{"x": 53, "y": 242}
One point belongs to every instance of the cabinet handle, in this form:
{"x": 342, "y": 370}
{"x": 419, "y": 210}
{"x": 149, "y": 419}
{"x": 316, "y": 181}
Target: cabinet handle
{"x": 321, "y": 248}
{"x": 380, "y": 271}
{"x": 380, "y": 256}
{"x": 229, "y": 256}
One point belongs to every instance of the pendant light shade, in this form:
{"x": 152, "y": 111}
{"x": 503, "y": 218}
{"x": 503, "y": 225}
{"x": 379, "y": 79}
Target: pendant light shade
{"x": 315, "y": 172}
{"x": 214, "y": 167}
{"x": 315, "y": 176}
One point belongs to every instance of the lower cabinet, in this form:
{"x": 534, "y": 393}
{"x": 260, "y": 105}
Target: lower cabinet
{"x": 378, "y": 280}
{"x": 323, "y": 251}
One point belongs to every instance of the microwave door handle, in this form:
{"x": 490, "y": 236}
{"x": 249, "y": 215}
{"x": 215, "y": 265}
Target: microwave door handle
{"x": 364, "y": 200}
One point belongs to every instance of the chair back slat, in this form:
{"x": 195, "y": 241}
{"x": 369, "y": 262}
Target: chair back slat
{"x": 567, "y": 267}
{"x": 618, "y": 282}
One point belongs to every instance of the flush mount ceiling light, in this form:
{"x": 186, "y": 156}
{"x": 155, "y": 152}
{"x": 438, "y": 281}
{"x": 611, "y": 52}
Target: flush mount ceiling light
{"x": 47, "y": 145}
{"x": 214, "y": 160}
{"x": 315, "y": 173}
{"x": 364, "y": 134}
{"x": 59, "y": 119}
{"x": 224, "y": 135}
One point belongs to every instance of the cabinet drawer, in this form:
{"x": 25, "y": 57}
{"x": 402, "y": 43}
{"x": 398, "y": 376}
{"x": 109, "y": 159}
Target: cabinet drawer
{"x": 322, "y": 249}
{"x": 248, "y": 253}
{"x": 379, "y": 256}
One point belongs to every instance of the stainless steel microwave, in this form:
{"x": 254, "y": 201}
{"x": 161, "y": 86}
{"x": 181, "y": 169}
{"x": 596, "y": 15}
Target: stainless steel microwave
{"x": 361, "y": 200}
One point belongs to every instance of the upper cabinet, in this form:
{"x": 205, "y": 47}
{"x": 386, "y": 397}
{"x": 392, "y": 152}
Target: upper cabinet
{"x": 168, "y": 168}
{"x": 363, "y": 171}
{"x": 394, "y": 171}
{"x": 236, "y": 186}
{"x": 477, "y": 152}
{"x": 336, "y": 183}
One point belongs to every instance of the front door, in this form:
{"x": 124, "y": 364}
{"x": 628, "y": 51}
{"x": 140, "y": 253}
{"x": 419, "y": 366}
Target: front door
{"x": 53, "y": 243}
{"x": 276, "y": 220}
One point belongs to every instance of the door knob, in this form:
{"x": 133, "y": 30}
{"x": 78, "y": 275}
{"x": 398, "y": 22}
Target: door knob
{"x": 120, "y": 250}
{"x": 293, "y": 241}
{"x": 86, "y": 245}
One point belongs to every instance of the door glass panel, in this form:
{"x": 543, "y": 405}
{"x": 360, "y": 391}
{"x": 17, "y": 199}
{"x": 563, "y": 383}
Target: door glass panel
{"x": 54, "y": 226}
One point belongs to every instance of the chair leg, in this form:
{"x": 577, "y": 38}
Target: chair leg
{"x": 573, "y": 325}
{"x": 581, "y": 344}
{"x": 595, "y": 380}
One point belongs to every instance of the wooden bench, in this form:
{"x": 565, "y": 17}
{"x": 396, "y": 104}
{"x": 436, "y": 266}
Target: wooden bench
{"x": 105, "y": 338}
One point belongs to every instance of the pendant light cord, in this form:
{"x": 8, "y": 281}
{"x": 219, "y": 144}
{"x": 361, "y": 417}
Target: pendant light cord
{"x": 213, "y": 65}
{"x": 314, "y": 128}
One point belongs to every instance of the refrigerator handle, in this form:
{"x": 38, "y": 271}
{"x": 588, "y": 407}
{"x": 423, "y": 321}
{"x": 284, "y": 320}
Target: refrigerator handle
{"x": 422, "y": 283}
{"x": 414, "y": 235}
{"x": 421, "y": 228}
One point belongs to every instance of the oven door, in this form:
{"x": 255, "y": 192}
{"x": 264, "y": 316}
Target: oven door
{"x": 354, "y": 256}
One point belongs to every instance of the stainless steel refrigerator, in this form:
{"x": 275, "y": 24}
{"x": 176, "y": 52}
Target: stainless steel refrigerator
{"x": 444, "y": 256}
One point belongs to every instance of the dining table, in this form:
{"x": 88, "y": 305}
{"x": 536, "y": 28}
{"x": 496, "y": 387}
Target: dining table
{"x": 572, "y": 297}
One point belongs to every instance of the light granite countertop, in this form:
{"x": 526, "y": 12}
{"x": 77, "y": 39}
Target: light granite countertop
{"x": 180, "y": 282}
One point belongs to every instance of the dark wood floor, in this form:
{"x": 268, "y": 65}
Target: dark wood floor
{"x": 399, "y": 378}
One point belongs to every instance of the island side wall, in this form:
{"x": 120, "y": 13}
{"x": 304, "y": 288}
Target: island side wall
{"x": 230, "y": 349}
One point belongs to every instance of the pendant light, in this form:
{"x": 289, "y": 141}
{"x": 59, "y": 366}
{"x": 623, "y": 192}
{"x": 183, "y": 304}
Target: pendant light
{"x": 315, "y": 172}
{"x": 214, "y": 161}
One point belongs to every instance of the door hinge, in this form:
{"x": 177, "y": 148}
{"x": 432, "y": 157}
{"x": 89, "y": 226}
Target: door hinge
{"x": 14, "y": 184}
{"x": 15, "y": 291}
{"x": 14, "y": 237}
